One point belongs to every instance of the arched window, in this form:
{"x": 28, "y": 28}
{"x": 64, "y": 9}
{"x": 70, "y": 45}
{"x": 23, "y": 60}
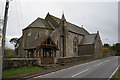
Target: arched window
{"x": 37, "y": 36}
{"x": 57, "y": 43}
{"x": 75, "y": 44}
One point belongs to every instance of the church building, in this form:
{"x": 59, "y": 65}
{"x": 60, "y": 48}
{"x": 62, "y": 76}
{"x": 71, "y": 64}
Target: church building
{"x": 52, "y": 38}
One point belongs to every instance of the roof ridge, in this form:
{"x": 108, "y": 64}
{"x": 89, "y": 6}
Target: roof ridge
{"x": 43, "y": 21}
{"x": 54, "y": 16}
{"x": 34, "y": 21}
{"x": 93, "y": 34}
{"x": 74, "y": 24}
{"x": 39, "y": 18}
{"x": 67, "y": 21}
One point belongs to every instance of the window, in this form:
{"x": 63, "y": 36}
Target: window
{"x": 75, "y": 45}
{"x": 29, "y": 34}
{"x": 38, "y": 35}
{"x": 75, "y": 50}
{"x": 57, "y": 43}
{"x": 99, "y": 48}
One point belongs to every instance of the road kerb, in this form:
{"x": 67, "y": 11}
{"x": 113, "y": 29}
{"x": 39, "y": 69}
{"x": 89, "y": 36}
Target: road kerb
{"x": 114, "y": 72}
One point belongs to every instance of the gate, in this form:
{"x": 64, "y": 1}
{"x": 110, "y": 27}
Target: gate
{"x": 47, "y": 60}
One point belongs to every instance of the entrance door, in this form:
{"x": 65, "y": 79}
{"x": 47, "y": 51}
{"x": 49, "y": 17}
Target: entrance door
{"x": 47, "y": 56}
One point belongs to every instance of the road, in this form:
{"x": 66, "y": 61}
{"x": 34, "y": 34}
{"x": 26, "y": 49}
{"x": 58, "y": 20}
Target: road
{"x": 102, "y": 68}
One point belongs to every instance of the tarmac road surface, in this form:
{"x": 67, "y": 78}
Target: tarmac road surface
{"x": 102, "y": 68}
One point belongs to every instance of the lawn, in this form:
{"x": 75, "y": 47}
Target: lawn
{"x": 20, "y": 70}
{"x": 117, "y": 75}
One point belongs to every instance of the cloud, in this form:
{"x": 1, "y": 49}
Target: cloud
{"x": 69, "y": 0}
{"x": 95, "y": 16}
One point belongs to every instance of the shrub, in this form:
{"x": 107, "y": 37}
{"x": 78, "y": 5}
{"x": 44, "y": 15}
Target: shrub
{"x": 106, "y": 50}
{"x": 9, "y": 53}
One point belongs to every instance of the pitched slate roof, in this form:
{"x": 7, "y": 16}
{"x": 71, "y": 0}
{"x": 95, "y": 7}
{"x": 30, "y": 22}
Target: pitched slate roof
{"x": 88, "y": 39}
{"x": 76, "y": 29}
{"x": 72, "y": 27}
{"x": 41, "y": 23}
{"x": 37, "y": 42}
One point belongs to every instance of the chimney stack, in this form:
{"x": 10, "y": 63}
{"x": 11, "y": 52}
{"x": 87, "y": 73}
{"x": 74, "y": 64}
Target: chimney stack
{"x": 82, "y": 26}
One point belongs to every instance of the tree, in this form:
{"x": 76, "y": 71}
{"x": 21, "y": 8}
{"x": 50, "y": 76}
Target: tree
{"x": 16, "y": 43}
{"x": 9, "y": 53}
{"x": 116, "y": 47}
{"x": 106, "y": 45}
{"x": 106, "y": 50}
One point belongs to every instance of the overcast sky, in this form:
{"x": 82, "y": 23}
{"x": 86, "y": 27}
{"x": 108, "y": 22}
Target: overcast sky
{"x": 95, "y": 15}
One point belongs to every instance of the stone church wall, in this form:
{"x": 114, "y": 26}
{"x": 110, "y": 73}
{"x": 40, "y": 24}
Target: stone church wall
{"x": 98, "y": 47}
{"x": 30, "y": 35}
{"x": 69, "y": 44}
{"x": 86, "y": 50}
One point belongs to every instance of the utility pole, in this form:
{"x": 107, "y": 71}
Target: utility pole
{"x": 4, "y": 33}
{"x": 0, "y": 49}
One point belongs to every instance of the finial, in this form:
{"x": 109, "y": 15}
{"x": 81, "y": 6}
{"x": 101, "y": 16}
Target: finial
{"x": 62, "y": 12}
{"x": 82, "y": 26}
{"x": 97, "y": 32}
{"x": 63, "y": 17}
{"x": 48, "y": 13}
{"x": 7, "y": 0}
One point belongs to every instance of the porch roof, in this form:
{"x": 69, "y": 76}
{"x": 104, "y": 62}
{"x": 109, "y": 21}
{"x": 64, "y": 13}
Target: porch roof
{"x": 39, "y": 42}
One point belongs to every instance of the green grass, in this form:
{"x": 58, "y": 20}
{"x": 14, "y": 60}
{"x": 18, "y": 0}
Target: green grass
{"x": 20, "y": 70}
{"x": 117, "y": 75}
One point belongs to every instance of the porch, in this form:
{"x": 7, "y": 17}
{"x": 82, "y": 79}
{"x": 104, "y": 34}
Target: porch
{"x": 46, "y": 51}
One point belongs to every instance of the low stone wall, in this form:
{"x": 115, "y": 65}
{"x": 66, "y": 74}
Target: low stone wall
{"x": 11, "y": 63}
{"x": 73, "y": 59}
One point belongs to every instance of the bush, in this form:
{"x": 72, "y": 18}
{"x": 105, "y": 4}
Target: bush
{"x": 106, "y": 50}
{"x": 9, "y": 53}
{"x": 117, "y": 54}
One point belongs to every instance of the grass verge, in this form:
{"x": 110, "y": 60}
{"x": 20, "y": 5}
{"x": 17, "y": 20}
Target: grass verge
{"x": 117, "y": 75}
{"x": 20, "y": 70}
